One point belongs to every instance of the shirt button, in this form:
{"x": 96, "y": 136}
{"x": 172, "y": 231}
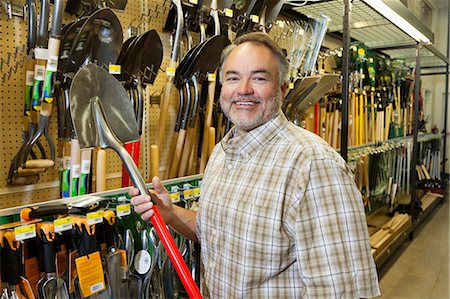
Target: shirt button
{"x": 230, "y": 166}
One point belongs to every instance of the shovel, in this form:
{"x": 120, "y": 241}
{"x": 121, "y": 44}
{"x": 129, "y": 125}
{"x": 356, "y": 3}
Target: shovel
{"x": 96, "y": 96}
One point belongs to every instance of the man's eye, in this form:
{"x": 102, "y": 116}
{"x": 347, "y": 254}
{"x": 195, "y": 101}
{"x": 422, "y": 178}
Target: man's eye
{"x": 259, "y": 79}
{"x": 232, "y": 79}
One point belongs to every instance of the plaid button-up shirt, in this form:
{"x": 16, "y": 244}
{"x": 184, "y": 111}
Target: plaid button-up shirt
{"x": 280, "y": 217}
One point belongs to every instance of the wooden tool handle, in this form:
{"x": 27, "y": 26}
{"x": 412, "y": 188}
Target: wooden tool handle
{"x": 154, "y": 161}
{"x": 177, "y": 155}
{"x": 101, "y": 170}
{"x": 39, "y": 163}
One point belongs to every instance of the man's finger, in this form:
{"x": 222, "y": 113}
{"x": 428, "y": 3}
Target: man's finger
{"x": 134, "y": 191}
{"x": 137, "y": 200}
{"x": 158, "y": 186}
{"x": 143, "y": 208}
{"x": 147, "y": 215}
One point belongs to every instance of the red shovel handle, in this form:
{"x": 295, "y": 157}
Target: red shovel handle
{"x": 174, "y": 255}
{"x": 125, "y": 176}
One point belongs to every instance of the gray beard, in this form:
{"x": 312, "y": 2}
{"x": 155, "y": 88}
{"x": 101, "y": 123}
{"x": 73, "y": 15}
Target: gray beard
{"x": 247, "y": 126}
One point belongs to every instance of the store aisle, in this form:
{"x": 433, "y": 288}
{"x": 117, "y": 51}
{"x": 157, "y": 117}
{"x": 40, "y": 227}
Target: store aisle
{"x": 419, "y": 269}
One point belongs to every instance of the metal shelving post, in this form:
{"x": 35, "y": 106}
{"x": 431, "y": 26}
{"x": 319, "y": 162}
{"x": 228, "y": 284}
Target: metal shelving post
{"x": 345, "y": 78}
{"x": 444, "y": 130}
{"x": 414, "y": 198}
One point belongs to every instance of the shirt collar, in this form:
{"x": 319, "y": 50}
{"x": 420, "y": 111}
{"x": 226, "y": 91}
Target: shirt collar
{"x": 249, "y": 143}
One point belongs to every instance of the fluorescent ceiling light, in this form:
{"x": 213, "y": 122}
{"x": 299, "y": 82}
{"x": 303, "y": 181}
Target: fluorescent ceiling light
{"x": 385, "y": 10}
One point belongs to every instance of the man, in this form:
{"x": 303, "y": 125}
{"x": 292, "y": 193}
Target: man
{"x": 279, "y": 215}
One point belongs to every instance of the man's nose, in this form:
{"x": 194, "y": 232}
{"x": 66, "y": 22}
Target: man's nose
{"x": 245, "y": 87}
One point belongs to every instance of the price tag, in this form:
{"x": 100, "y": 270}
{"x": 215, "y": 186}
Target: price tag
{"x": 211, "y": 77}
{"x": 29, "y": 78}
{"x": 170, "y": 71}
{"x": 52, "y": 63}
{"x": 76, "y": 171}
{"x": 62, "y": 224}
{"x": 90, "y": 274}
{"x": 188, "y": 194}
{"x": 94, "y": 217}
{"x": 67, "y": 160}
{"x": 254, "y": 18}
{"x": 25, "y": 232}
{"x": 196, "y": 192}
{"x": 193, "y": 2}
{"x": 175, "y": 196}
{"x": 85, "y": 166}
{"x": 39, "y": 72}
{"x": 228, "y": 12}
{"x": 123, "y": 210}
{"x": 115, "y": 69}
{"x": 291, "y": 85}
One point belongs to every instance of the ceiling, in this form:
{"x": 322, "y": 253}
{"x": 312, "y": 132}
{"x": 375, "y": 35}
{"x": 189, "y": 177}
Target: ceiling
{"x": 372, "y": 29}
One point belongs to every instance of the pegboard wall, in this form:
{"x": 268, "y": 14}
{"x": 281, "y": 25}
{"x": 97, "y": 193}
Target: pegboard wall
{"x": 144, "y": 15}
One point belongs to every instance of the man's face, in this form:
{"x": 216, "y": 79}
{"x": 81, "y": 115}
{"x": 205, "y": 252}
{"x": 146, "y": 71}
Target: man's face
{"x": 251, "y": 94}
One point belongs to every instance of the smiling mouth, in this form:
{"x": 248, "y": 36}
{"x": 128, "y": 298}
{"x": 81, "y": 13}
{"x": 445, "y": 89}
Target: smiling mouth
{"x": 245, "y": 103}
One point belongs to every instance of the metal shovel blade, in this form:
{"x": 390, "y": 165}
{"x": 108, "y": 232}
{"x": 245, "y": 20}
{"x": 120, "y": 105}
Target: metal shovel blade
{"x": 93, "y": 84}
{"x": 55, "y": 288}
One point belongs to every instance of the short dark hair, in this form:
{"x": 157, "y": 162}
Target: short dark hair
{"x": 266, "y": 41}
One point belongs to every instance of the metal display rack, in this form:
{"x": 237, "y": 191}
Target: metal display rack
{"x": 356, "y": 20}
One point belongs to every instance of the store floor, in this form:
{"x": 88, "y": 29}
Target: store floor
{"x": 419, "y": 269}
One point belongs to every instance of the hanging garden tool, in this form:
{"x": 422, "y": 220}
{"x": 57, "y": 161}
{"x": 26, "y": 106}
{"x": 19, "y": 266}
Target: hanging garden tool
{"x": 170, "y": 72}
{"x": 54, "y": 287}
{"x": 96, "y": 97}
{"x": 201, "y": 60}
{"x": 99, "y": 40}
{"x": 18, "y": 175}
{"x": 44, "y": 101}
{"x": 140, "y": 65}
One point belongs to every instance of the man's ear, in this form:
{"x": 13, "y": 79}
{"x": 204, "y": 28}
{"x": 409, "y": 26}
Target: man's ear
{"x": 284, "y": 89}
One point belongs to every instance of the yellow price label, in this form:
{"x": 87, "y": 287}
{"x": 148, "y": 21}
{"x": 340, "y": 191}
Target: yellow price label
{"x": 170, "y": 71}
{"x": 228, "y": 12}
{"x": 123, "y": 210}
{"x": 62, "y": 224}
{"x": 188, "y": 193}
{"x": 196, "y": 192}
{"x": 254, "y": 18}
{"x": 25, "y": 232}
{"x": 94, "y": 217}
{"x": 48, "y": 100}
{"x": 193, "y": 2}
{"x": 361, "y": 51}
{"x": 291, "y": 85}
{"x": 115, "y": 69}
{"x": 175, "y": 196}
{"x": 211, "y": 77}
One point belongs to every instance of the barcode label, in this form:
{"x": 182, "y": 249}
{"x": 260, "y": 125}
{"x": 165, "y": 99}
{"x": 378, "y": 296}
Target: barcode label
{"x": 67, "y": 161}
{"x": 63, "y": 228}
{"x": 25, "y": 232}
{"x": 97, "y": 287}
{"x": 228, "y": 12}
{"x": 29, "y": 78}
{"x": 52, "y": 63}
{"x": 39, "y": 72}
{"x": 76, "y": 171}
{"x": 254, "y": 18}
{"x": 85, "y": 166}
{"x": 123, "y": 210}
{"x": 60, "y": 164}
